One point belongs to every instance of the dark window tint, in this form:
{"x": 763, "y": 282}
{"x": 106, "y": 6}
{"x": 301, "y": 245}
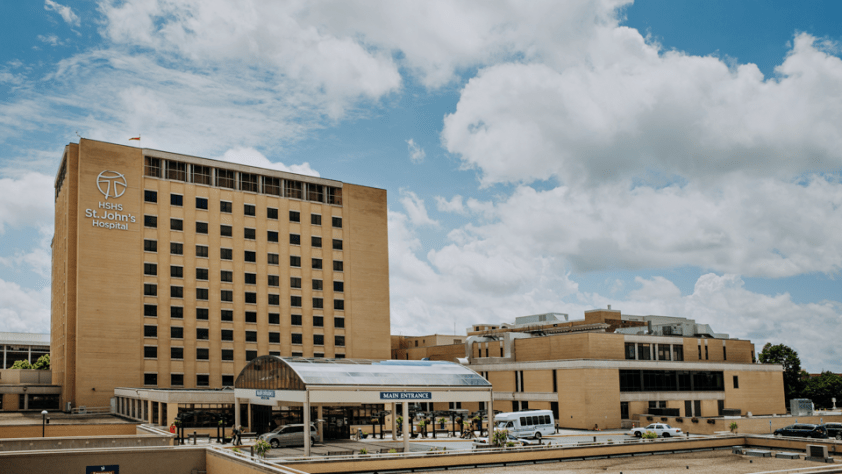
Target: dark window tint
{"x": 249, "y": 234}
{"x": 201, "y": 227}
{"x": 274, "y": 280}
{"x": 339, "y": 341}
{"x": 251, "y": 336}
{"x": 251, "y": 297}
{"x": 202, "y": 380}
{"x": 150, "y": 331}
{"x": 271, "y": 236}
{"x": 176, "y": 248}
{"x": 337, "y": 266}
{"x": 294, "y": 261}
{"x": 150, "y": 245}
{"x": 294, "y": 216}
{"x": 271, "y": 213}
{"x": 176, "y": 224}
{"x": 251, "y": 355}
{"x": 296, "y": 338}
{"x": 150, "y": 269}
{"x": 339, "y": 322}
{"x": 339, "y": 305}
{"x": 251, "y": 278}
{"x": 315, "y": 241}
{"x": 150, "y": 379}
{"x": 317, "y": 285}
{"x": 176, "y": 271}
{"x": 227, "y": 334}
{"x": 150, "y": 196}
{"x": 274, "y": 318}
{"x": 150, "y": 289}
{"x": 226, "y": 254}
{"x": 176, "y": 292}
{"x": 318, "y": 303}
{"x": 316, "y": 219}
{"x": 201, "y": 203}
{"x": 176, "y": 353}
{"x": 202, "y": 314}
{"x": 295, "y": 319}
{"x": 274, "y": 338}
{"x": 318, "y": 339}
{"x": 176, "y": 312}
{"x": 294, "y": 239}
{"x": 202, "y": 251}
{"x": 176, "y": 380}
{"x": 226, "y": 275}
{"x": 150, "y": 310}
{"x": 338, "y": 286}
{"x": 150, "y": 221}
{"x": 317, "y": 263}
{"x": 318, "y": 321}
{"x": 226, "y": 230}
{"x": 225, "y": 206}
{"x": 227, "y": 315}
{"x": 202, "y": 334}
{"x": 201, "y": 273}
{"x": 176, "y": 200}
{"x": 337, "y": 222}
{"x": 295, "y": 301}
{"x": 250, "y": 256}
{"x": 150, "y": 352}
{"x": 337, "y": 244}
{"x": 176, "y": 332}
{"x": 294, "y": 282}
{"x": 226, "y": 295}
{"x": 272, "y": 259}
{"x": 227, "y": 354}
{"x": 249, "y": 209}
{"x": 274, "y": 300}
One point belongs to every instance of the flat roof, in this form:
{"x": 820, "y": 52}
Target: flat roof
{"x": 25, "y": 338}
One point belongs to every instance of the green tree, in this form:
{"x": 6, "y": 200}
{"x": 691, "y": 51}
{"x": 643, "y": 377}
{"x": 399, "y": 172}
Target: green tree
{"x": 21, "y": 364}
{"x": 788, "y": 358}
{"x": 822, "y": 388}
{"x": 43, "y": 363}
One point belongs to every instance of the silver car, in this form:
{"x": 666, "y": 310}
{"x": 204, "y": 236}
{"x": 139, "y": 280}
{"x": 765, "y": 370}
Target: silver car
{"x": 289, "y": 435}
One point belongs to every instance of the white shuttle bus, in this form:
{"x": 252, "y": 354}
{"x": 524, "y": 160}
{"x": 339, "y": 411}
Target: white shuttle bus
{"x": 526, "y": 424}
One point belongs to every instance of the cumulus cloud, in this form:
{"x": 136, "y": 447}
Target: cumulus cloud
{"x": 416, "y": 153}
{"x": 416, "y": 210}
{"x": 251, "y": 157}
{"x": 65, "y": 12}
{"x": 24, "y": 310}
{"x": 26, "y": 201}
{"x": 454, "y": 205}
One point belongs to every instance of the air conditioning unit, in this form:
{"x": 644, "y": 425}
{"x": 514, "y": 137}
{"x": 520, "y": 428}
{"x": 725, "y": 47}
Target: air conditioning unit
{"x": 818, "y": 452}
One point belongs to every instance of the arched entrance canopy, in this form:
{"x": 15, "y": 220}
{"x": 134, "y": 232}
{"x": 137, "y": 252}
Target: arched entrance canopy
{"x": 277, "y": 381}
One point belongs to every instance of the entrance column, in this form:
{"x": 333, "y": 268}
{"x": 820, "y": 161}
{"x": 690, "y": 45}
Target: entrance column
{"x": 307, "y": 423}
{"x": 394, "y": 421}
{"x": 321, "y": 421}
{"x": 248, "y": 422}
{"x": 406, "y": 424}
{"x": 236, "y": 412}
{"x": 490, "y": 414}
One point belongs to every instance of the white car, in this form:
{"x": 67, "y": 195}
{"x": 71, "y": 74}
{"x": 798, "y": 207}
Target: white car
{"x": 660, "y": 429}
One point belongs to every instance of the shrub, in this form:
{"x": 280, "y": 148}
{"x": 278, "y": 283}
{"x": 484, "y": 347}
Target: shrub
{"x": 733, "y": 427}
{"x": 650, "y": 435}
{"x": 363, "y": 451}
{"x": 261, "y": 447}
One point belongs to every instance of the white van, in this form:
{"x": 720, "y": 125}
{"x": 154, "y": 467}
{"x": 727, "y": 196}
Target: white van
{"x": 527, "y": 424}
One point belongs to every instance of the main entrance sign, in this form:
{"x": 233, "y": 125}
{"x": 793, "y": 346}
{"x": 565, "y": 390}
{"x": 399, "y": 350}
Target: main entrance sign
{"x": 406, "y": 395}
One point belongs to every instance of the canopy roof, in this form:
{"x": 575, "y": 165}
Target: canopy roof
{"x": 276, "y": 373}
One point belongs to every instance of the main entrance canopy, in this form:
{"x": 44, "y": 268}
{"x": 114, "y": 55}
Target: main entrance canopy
{"x": 276, "y": 381}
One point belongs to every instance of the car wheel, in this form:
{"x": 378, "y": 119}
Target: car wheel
{"x": 638, "y": 434}
{"x": 538, "y": 436}
{"x": 665, "y": 435}
{"x": 274, "y": 443}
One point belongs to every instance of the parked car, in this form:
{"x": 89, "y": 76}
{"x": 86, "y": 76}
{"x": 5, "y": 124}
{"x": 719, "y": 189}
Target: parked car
{"x": 802, "y": 430}
{"x": 833, "y": 430}
{"x": 289, "y": 435}
{"x": 660, "y": 429}
{"x": 480, "y": 443}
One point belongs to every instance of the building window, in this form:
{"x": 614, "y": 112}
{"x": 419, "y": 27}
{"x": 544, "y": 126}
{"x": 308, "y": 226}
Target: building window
{"x": 176, "y": 271}
{"x": 150, "y": 352}
{"x": 274, "y": 318}
{"x": 150, "y": 379}
{"x": 202, "y": 334}
{"x": 706, "y": 352}
{"x": 251, "y": 278}
{"x": 249, "y": 210}
{"x": 294, "y": 239}
{"x": 271, "y": 236}
{"x": 337, "y": 222}
{"x": 736, "y": 381}
{"x": 202, "y": 203}
{"x": 663, "y": 352}
{"x": 700, "y": 352}
{"x": 295, "y": 319}
{"x": 318, "y": 339}
{"x": 177, "y": 353}
{"x": 274, "y": 300}
{"x": 318, "y": 303}
{"x": 337, "y": 244}
{"x": 251, "y": 355}
{"x": 225, "y": 178}
{"x": 150, "y": 196}
{"x": 339, "y": 322}
{"x": 201, "y": 273}
{"x": 339, "y": 341}
{"x": 250, "y": 256}
{"x": 202, "y": 251}
{"x": 226, "y": 275}
{"x": 176, "y": 170}
{"x": 227, "y": 315}
{"x": 226, "y": 295}
{"x": 202, "y": 380}
{"x": 152, "y": 167}
{"x": 339, "y": 305}
{"x": 724, "y": 353}
{"x": 150, "y": 289}
{"x": 201, "y": 227}
{"x": 274, "y": 338}
{"x": 202, "y": 175}
{"x": 643, "y": 352}
{"x": 176, "y": 332}
{"x": 227, "y": 334}
{"x": 293, "y": 189}
{"x": 251, "y": 316}
{"x": 176, "y": 200}
{"x": 678, "y": 353}
{"x": 251, "y": 297}
{"x": 337, "y": 265}
{"x": 294, "y": 261}
{"x": 295, "y": 301}
{"x": 248, "y": 182}
{"x": 226, "y": 230}
{"x": 227, "y": 354}
{"x": 272, "y": 259}
{"x": 624, "y": 410}
{"x": 316, "y": 219}
{"x": 274, "y": 280}
{"x": 318, "y": 285}
{"x": 177, "y": 380}
{"x": 339, "y": 286}
{"x": 150, "y": 221}
{"x": 176, "y": 224}
{"x": 249, "y": 234}
{"x": 176, "y": 248}
{"x": 318, "y": 321}
{"x": 176, "y": 312}
{"x": 176, "y": 292}
{"x": 202, "y": 294}
{"x": 294, "y": 216}
{"x": 225, "y": 206}
{"x": 150, "y": 269}
{"x": 150, "y": 331}
{"x": 150, "y": 310}
{"x": 317, "y": 264}
{"x": 315, "y": 242}
{"x": 271, "y": 213}
{"x": 226, "y": 254}
{"x": 150, "y": 245}
{"x": 296, "y": 338}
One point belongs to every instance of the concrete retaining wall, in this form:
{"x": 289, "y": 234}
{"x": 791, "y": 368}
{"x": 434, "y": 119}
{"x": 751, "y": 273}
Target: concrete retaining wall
{"x": 90, "y": 442}
{"x": 130, "y": 461}
{"x": 753, "y": 425}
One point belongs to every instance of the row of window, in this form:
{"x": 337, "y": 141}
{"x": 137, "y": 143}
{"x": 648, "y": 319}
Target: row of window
{"x": 203, "y": 353}
{"x": 670, "y": 381}
{"x": 227, "y": 315}
{"x": 151, "y": 269}
{"x": 248, "y": 233}
{"x": 645, "y": 351}
{"x": 227, "y": 296}
{"x": 248, "y": 209}
{"x": 249, "y": 256}
{"x": 249, "y": 182}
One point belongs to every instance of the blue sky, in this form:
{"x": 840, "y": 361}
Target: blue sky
{"x": 673, "y": 158}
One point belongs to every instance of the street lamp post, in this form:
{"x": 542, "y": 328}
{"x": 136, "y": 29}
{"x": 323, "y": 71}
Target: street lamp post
{"x": 43, "y": 422}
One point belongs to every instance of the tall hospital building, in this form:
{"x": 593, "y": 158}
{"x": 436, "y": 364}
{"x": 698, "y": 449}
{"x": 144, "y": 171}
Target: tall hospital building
{"x": 173, "y": 271}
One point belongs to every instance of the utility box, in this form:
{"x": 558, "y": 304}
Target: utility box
{"x": 801, "y": 407}
{"x": 817, "y": 452}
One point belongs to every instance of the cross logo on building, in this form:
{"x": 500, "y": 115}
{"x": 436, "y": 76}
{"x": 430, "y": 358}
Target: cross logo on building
{"x": 111, "y": 184}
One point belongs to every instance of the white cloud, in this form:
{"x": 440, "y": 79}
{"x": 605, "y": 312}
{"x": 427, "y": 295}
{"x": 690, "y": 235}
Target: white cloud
{"x": 416, "y": 153}
{"x": 250, "y": 156}
{"x": 24, "y": 310}
{"x": 65, "y": 12}
{"x": 631, "y": 111}
{"x": 26, "y": 201}
{"x": 51, "y": 40}
{"x": 454, "y": 206}
{"x": 416, "y": 210}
